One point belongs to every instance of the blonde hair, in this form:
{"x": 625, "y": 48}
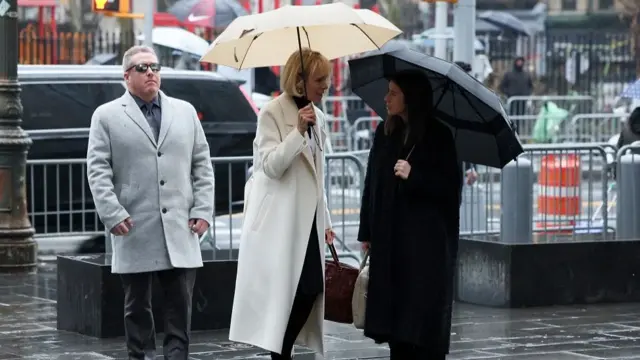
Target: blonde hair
{"x": 315, "y": 63}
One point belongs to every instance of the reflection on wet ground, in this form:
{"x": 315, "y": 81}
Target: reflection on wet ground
{"x": 28, "y": 331}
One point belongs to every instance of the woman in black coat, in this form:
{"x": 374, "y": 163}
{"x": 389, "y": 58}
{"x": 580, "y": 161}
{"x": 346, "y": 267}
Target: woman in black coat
{"x": 410, "y": 220}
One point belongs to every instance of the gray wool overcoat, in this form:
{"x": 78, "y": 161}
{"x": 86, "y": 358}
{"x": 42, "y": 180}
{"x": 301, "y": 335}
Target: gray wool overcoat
{"x": 159, "y": 184}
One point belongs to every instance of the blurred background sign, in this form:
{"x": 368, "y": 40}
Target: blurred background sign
{"x": 111, "y": 6}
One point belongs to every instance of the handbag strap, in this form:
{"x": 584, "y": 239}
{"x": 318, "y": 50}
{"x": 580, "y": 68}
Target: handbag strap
{"x": 334, "y": 254}
{"x": 365, "y": 259}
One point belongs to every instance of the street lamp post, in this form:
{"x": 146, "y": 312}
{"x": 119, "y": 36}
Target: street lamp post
{"x": 18, "y": 250}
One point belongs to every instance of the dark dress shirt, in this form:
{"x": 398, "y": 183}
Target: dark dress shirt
{"x": 152, "y": 112}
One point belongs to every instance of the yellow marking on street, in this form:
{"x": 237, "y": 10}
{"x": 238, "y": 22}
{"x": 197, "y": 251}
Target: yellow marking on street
{"x": 585, "y": 204}
{"x": 347, "y": 211}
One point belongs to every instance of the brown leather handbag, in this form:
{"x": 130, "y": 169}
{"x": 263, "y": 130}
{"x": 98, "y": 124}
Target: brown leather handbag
{"x": 340, "y": 280}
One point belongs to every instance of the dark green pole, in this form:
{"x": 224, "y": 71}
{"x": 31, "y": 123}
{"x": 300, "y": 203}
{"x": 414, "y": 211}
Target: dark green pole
{"x": 18, "y": 250}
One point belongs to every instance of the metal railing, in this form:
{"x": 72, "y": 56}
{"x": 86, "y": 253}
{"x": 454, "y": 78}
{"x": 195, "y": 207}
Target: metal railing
{"x": 593, "y": 128}
{"x": 531, "y": 105}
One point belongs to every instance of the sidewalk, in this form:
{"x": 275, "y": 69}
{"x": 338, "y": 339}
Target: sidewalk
{"x": 28, "y": 331}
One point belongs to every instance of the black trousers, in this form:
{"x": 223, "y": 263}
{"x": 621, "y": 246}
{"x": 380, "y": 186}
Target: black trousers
{"x": 177, "y": 286}
{"x": 311, "y": 285}
{"x": 300, "y": 311}
{"x": 403, "y": 351}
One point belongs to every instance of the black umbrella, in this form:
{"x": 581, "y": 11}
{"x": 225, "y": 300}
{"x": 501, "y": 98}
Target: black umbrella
{"x": 482, "y": 131}
{"x": 210, "y": 13}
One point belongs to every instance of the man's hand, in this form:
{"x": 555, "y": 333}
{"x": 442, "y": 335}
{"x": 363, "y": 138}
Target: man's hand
{"x": 198, "y": 226}
{"x": 123, "y": 228}
{"x": 366, "y": 246}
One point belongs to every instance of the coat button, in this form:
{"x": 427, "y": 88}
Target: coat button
{"x": 164, "y": 210}
{"x": 159, "y": 154}
{"x": 161, "y": 182}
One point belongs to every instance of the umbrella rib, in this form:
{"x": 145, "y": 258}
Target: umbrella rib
{"x": 367, "y": 35}
{"x": 444, "y": 91}
{"x": 463, "y": 92}
{"x": 307, "y": 35}
{"x": 248, "y": 49}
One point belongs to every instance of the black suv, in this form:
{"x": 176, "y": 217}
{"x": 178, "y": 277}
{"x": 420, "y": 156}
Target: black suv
{"x": 58, "y": 102}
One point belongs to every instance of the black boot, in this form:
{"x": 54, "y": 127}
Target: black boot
{"x": 276, "y": 356}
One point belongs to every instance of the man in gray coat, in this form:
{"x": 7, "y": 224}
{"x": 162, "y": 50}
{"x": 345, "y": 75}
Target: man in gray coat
{"x": 151, "y": 177}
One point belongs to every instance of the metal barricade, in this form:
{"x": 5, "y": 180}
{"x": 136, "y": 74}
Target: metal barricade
{"x": 362, "y": 132}
{"x": 344, "y": 178}
{"x": 338, "y": 133}
{"x": 342, "y": 106}
{"x": 223, "y": 236}
{"x": 531, "y": 105}
{"x": 341, "y": 112}
{"x": 59, "y": 199}
{"x": 570, "y": 185}
{"x": 524, "y": 125}
{"x": 593, "y": 128}
{"x": 585, "y": 185}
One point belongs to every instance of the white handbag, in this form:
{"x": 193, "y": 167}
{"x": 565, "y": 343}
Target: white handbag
{"x": 359, "y": 299}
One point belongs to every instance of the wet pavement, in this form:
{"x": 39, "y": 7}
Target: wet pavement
{"x": 28, "y": 331}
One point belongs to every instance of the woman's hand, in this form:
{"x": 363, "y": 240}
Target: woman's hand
{"x": 402, "y": 169}
{"x": 306, "y": 118}
{"x": 329, "y": 235}
{"x": 366, "y": 246}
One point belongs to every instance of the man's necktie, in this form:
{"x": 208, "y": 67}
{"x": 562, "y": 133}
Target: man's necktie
{"x": 153, "y": 122}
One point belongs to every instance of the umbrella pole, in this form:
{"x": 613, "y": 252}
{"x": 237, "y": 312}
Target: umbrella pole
{"x": 310, "y": 129}
{"x": 302, "y": 74}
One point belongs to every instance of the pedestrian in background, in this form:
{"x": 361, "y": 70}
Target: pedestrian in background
{"x": 517, "y": 82}
{"x": 150, "y": 174}
{"x": 409, "y": 222}
{"x": 630, "y": 132}
{"x": 279, "y": 293}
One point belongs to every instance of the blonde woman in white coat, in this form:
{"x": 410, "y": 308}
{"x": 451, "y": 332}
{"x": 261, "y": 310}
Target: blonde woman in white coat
{"x": 279, "y": 296}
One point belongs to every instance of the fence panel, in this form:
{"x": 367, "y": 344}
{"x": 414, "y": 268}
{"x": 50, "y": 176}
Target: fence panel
{"x": 532, "y": 105}
{"x": 593, "y": 128}
{"x": 362, "y": 132}
{"x": 59, "y": 199}
{"x": 569, "y": 190}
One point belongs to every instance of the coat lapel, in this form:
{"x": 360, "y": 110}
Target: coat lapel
{"x": 134, "y": 113}
{"x": 290, "y": 112}
{"x": 167, "y": 117}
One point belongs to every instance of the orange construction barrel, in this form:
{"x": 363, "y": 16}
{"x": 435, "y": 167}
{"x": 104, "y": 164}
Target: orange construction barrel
{"x": 559, "y": 203}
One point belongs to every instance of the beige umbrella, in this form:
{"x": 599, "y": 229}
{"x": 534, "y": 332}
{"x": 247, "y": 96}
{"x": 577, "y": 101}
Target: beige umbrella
{"x": 268, "y": 39}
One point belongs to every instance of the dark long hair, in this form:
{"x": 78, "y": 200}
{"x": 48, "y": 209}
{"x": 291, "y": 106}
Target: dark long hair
{"x": 418, "y": 99}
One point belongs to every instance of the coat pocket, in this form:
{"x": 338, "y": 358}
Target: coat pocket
{"x": 261, "y": 213}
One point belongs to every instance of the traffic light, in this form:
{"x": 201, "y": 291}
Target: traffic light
{"x": 111, "y": 6}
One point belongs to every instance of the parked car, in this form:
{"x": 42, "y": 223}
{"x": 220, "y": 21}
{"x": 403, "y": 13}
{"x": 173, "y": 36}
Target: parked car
{"x": 58, "y": 102}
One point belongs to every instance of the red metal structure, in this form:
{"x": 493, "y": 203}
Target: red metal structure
{"x": 43, "y": 6}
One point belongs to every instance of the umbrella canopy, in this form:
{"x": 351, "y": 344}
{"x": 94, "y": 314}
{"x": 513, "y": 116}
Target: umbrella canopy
{"x": 268, "y": 39}
{"x": 632, "y": 91}
{"x": 505, "y": 21}
{"x": 482, "y": 131}
{"x": 208, "y": 13}
{"x": 178, "y": 39}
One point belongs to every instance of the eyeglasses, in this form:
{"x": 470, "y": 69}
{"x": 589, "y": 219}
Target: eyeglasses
{"x": 143, "y": 68}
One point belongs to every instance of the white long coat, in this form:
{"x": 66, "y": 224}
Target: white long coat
{"x": 281, "y": 198}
